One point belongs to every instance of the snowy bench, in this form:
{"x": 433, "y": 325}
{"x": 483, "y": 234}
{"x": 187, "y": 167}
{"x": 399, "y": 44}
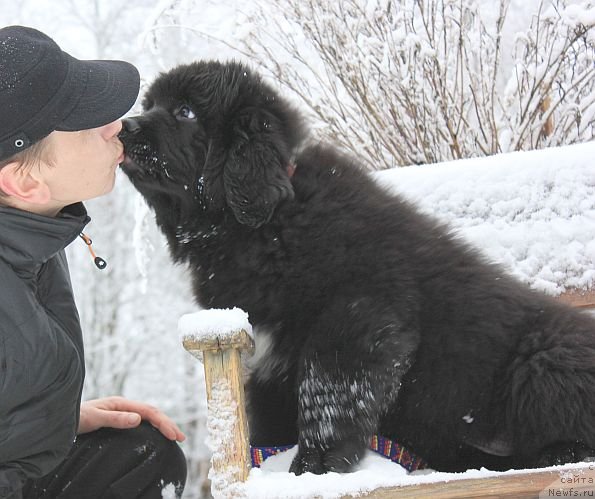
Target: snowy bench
{"x": 217, "y": 337}
{"x": 532, "y": 212}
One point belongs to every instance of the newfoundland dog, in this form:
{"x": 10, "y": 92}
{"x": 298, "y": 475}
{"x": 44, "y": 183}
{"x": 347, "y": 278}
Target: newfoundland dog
{"x": 369, "y": 317}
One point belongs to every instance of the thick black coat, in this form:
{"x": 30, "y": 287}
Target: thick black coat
{"x": 369, "y": 316}
{"x": 41, "y": 345}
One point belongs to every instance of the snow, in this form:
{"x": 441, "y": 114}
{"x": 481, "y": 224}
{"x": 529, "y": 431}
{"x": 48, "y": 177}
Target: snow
{"x": 220, "y": 425}
{"x": 142, "y": 247}
{"x": 169, "y": 491}
{"x": 273, "y": 481}
{"x": 213, "y": 323}
{"x": 580, "y": 14}
{"x": 533, "y": 212}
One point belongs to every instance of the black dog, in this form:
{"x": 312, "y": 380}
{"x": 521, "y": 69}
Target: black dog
{"x": 369, "y": 317}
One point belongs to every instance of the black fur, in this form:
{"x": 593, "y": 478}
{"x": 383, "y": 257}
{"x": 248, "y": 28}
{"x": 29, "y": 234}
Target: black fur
{"x": 376, "y": 319}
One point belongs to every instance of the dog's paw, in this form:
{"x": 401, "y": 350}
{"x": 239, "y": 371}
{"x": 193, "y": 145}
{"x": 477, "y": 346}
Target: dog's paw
{"x": 340, "y": 458}
{"x": 565, "y": 453}
{"x": 307, "y": 461}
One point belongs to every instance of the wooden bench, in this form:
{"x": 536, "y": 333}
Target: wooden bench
{"x": 579, "y": 299}
{"x": 231, "y": 463}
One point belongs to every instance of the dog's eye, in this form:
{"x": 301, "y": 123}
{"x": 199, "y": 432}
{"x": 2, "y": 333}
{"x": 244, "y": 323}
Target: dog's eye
{"x": 147, "y": 104}
{"x": 185, "y": 113}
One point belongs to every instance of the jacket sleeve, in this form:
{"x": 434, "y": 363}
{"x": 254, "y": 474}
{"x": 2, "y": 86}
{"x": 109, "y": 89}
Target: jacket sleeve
{"x": 40, "y": 384}
{"x": 11, "y": 482}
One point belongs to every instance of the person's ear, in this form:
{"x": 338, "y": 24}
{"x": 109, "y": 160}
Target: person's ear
{"x": 22, "y": 184}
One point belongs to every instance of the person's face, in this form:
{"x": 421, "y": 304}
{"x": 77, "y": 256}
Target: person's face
{"x": 83, "y": 163}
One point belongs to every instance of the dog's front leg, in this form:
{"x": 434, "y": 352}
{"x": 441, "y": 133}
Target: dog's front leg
{"x": 343, "y": 392}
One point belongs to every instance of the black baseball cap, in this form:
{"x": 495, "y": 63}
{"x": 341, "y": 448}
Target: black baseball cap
{"x": 43, "y": 89}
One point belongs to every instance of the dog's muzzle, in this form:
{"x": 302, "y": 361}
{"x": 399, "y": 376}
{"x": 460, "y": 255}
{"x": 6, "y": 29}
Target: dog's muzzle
{"x": 130, "y": 125}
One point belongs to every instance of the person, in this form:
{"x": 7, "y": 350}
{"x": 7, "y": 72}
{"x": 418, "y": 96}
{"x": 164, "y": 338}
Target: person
{"x": 59, "y": 146}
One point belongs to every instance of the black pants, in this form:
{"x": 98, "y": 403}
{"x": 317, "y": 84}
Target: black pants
{"x": 109, "y": 464}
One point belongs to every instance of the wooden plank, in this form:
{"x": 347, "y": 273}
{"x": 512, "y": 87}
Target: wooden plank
{"x": 563, "y": 482}
{"x": 578, "y": 298}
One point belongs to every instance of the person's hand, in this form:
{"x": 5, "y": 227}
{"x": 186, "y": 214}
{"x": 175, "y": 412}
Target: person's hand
{"x": 118, "y": 412}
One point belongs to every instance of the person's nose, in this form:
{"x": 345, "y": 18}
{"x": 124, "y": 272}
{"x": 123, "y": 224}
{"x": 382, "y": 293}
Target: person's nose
{"x": 112, "y": 129}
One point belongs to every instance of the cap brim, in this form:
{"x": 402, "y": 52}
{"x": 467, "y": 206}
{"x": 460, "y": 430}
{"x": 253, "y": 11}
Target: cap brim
{"x": 111, "y": 90}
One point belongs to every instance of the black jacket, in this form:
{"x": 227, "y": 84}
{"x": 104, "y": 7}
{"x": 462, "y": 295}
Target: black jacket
{"x": 41, "y": 347}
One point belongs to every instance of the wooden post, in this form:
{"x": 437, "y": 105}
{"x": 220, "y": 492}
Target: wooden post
{"x": 228, "y": 427}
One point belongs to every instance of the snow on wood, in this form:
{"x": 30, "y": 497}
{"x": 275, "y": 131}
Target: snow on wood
{"x": 533, "y": 212}
{"x": 214, "y": 325}
{"x": 378, "y": 477}
{"x": 221, "y": 423}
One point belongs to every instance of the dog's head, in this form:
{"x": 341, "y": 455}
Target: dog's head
{"x": 215, "y": 135}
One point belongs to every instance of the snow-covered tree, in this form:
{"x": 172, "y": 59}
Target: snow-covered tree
{"x": 420, "y": 81}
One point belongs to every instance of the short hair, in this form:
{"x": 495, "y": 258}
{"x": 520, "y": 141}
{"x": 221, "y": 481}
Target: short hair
{"x": 33, "y": 155}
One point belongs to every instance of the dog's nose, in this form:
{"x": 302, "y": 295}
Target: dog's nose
{"x": 130, "y": 125}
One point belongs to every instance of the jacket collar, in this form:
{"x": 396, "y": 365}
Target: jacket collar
{"x": 28, "y": 240}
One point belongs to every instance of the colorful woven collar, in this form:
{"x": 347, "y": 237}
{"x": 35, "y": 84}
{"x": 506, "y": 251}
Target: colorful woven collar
{"x": 383, "y": 446}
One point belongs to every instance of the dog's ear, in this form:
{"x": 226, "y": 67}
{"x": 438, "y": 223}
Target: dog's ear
{"x": 255, "y": 174}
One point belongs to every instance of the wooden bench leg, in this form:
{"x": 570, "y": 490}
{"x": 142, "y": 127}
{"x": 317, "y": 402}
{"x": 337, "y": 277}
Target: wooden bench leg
{"x": 227, "y": 424}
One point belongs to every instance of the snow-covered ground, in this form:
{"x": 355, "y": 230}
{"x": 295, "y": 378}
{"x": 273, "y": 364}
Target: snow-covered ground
{"x": 534, "y": 212}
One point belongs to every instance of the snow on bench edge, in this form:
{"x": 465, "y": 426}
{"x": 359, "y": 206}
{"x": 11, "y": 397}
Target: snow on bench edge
{"x": 213, "y": 323}
{"x": 531, "y": 211}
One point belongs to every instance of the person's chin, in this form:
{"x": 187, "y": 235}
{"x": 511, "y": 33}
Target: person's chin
{"x": 109, "y": 185}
